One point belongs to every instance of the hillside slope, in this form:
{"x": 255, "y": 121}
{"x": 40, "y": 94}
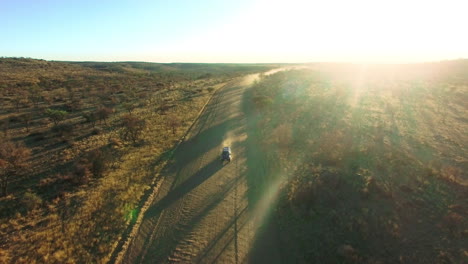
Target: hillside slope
{"x": 372, "y": 161}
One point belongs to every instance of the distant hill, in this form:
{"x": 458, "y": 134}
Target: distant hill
{"x": 130, "y": 66}
{"x": 26, "y": 71}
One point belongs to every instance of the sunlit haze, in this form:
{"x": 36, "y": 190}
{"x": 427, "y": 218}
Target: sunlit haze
{"x": 235, "y": 31}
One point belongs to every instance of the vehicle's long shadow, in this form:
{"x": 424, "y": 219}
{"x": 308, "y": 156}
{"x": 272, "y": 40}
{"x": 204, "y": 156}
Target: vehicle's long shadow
{"x": 202, "y": 141}
{"x": 207, "y": 136}
{"x": 187, "y": 186}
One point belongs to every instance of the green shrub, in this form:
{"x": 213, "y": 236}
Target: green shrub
{"x": 56, "y": 115}
{"x": 31, "y": 200}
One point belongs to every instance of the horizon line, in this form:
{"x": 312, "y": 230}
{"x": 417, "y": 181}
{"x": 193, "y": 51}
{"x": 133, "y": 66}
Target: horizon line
{"x": 310, "y": 62}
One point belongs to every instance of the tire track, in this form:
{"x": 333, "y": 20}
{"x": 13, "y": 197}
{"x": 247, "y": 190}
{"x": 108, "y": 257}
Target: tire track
{"x": 187, "y": 244}
{"x": 195, "y": 200}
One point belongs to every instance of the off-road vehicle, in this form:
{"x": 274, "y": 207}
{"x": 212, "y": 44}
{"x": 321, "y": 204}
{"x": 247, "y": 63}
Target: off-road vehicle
{"x": 226, "y": 154}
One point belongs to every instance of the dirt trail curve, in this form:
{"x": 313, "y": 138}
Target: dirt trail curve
{"x": 202, "y": 212}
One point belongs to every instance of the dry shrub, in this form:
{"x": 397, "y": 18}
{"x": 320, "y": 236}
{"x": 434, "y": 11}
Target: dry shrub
{"x": 450, "y": 174}
{"x": 373, "y": 187}
{"x": 81, "y": 173}
{"x": 96, "y": 131}
{"x": 348, "y": 253}
{"x": 90, "y": 117}
{"x": 93, "y": 164}
{"x": 98, "y": 159}
{"x": 453, "y": 221}
{"x": 132, "y": 127}
{"x": 14, "y": 163}
{"x": 174, "y": 122}
{"x": 445, "y": 257}
{"x": 103, "y": 113}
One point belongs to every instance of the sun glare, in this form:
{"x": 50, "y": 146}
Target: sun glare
{"x": 359, "y": 31}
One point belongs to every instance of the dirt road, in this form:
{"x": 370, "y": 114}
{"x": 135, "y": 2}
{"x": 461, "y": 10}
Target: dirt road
{"x": 203, "y": 212}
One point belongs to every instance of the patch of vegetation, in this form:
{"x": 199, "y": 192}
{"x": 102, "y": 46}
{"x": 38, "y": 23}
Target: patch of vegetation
{"x": 82, "y": 142}
{"x": 372, "y": 161}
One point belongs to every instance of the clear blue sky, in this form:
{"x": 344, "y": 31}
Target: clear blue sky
{"x": 234, "y": 31}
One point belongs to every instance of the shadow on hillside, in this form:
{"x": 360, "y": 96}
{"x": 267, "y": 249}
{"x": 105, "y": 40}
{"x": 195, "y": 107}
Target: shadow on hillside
{"x": 265, "y": 247}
